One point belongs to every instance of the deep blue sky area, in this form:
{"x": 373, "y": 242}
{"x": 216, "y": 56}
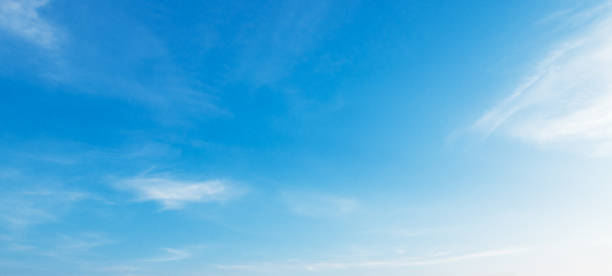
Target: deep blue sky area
{"x": 305, "y": 138}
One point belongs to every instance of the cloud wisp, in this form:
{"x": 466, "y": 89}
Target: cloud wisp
{"x": 417, "y": 262}
{"x": 171, "y": 255}
{"x": 377, "y": 264}
{"x": 83, "y": 241}
{"x": 175, "y": 194}
{"x": 22, "y": 209}
{"x": 107, "y": 64}
{"x": 566, "y": 102}
{"x": 21, "y": 18}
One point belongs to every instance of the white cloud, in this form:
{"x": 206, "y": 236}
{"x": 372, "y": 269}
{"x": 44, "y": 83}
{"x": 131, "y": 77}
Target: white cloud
{"x": 21, "y": 18}
{"x": 174, "y": 194}
{"x": 319, "y": 205}
{"x": 567, "y": 102}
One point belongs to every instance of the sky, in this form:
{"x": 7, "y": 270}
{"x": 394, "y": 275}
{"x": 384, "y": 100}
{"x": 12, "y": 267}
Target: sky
{"x": 307, "y": 138}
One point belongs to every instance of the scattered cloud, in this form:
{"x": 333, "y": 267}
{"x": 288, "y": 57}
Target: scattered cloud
{"x": 319, "y": 205}
{"x": 566, "y": 102}
{"x": 174, "y": 194}
{"x": 22, "y": 18}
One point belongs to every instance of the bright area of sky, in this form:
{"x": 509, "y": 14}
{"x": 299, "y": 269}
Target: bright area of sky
{"x": 305, "y": 138}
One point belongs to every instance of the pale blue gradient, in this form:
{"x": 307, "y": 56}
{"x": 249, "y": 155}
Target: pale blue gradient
{"x": 305, "y": 138}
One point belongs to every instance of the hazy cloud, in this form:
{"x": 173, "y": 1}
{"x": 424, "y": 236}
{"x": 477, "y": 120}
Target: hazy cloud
{"x": 22, "y": 18}
{"x": 21, "y": 209}
{"x": 319, "y": 205}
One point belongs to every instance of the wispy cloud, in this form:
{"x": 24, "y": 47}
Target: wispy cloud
{"x": 417, "y": 262}
{"x": 65, "y": 248}
{"x": 83, "y": 241}
{"x": 22, "y": 18}
{"x": 171, "y": 255}
{"x": 124, "y": 269}
{"x": 377, "y": 264}
{"x": 276, "y": 43}
{"x": 26, "y": 208}
{"x": 566, "y": 102}
{"x": 319, "y": 205}
{"x": 18, "y": 214}
{"x": 174, "y": 194}
{"x": 110, "y": 63}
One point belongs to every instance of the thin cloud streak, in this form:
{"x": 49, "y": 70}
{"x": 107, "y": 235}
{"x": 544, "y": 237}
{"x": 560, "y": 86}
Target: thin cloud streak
{"x": 412, "y": 262}
{"x": 566, "y": 103}
{"x": 378, "y": 264}
{"x": 172, "y": 255}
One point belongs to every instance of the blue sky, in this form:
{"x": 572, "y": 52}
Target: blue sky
{"x": 305, "y": 137}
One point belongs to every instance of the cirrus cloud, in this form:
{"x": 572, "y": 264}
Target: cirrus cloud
{"x": 566, "y": 102}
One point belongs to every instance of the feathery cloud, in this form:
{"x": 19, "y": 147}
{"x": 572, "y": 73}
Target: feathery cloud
{"x": 174, "y": 194}
{"x": 566, "y": 103}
